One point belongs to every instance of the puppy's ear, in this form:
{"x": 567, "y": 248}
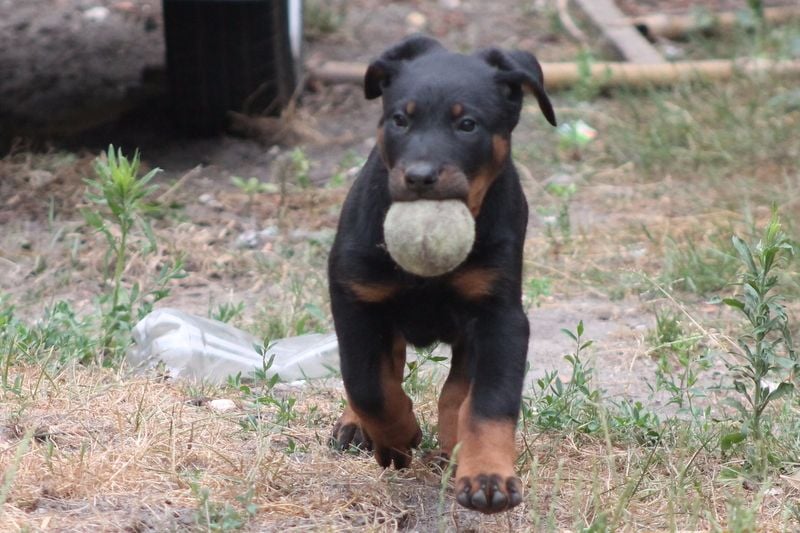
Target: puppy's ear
{"x": 518, "y": 70}
{"x": 380, "y": 72}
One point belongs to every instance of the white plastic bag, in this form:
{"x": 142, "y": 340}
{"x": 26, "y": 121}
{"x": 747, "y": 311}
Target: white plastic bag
{"x": 193, "y": 347}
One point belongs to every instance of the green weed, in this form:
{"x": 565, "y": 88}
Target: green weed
{"x": 680, "y": 362}
{"x": 215, "y": 516}
{"x": 699, "y": 268}
{"x": 571, "y": 406}
{"x": 321, "y": 18}
{"x": 227, "y": 312}
{"x": 251, "y": 187}
{"x": 535, "y": 289}
{"x": 558, "y": 225}
{"x": 300, "y": 165}
{"x": 417, "y": 381}
{"x": 261, "y": 395}
{"x": 121, "y": 214}
{"x": 767, "y": 362}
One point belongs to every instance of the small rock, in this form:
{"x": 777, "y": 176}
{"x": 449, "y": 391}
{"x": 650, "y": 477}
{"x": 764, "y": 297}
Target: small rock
{"x": 300, "y": 235}
{"x": 209, "y": 200}
{"x": 256, "y": 239}
{"x": 416, "y": 20}
{"x": 672, "y": 51}
{"x": 96, "y": 14}
{"x": 248, "y": 239}
{"x": 221, "y": 405}
{"x": 39, "y": 178}
{"x": 560, "y": 179}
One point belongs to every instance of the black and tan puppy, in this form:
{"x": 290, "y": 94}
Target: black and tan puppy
{"x": 445, "y": 133}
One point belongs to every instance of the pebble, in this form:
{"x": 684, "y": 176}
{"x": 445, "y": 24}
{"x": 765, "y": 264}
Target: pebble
{"x": 96, "y": 14}
{"x": 221, "y": 405}
{"x": 416, "y": 20}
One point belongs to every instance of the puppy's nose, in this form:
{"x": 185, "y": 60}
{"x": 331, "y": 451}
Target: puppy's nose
{"x": 421, "y": 175}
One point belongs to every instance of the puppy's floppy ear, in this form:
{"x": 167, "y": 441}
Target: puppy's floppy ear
{"x": 379, "y": 73}
{"x": 520, "y": 69}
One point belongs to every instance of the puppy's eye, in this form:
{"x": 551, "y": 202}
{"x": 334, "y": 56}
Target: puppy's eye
{"x": 467, "y": 125}
{"x": 400, "y": 120}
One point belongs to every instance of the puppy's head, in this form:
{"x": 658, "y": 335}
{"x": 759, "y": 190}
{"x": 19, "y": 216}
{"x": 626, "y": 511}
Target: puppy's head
{"x": 445, "y": 131}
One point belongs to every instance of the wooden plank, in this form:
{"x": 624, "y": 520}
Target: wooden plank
{"x": 675, "y": 26}
{"x": 612, "y": 74}
{"x": 622, "y": 74}
{"x": 626, "y": 39}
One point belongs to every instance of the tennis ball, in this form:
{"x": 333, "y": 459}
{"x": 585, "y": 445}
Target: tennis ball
{"x": 429, "y": 237}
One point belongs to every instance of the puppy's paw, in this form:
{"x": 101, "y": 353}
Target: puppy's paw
{"x": 348, "y": 433}
{"x": 489, "y": 493}
{"x": 398, "y": 453}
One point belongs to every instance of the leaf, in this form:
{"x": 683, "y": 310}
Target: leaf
{"x": 744, "y": 254}
{"x": 785, "y": 362}
{"x": 736, "y": 404}
{"x": 569, "y": 334}
{"x": 729, "y": 440}
{"x": 734, "y": 302}
{"x": 580, "y": 328}
{"x": 781, "y": 390}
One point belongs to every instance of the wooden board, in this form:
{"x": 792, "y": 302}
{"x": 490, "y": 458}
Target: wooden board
{"x": 626, "y": 39}
{"x": 675, "y": 26}
{"x": 619, "y": 74}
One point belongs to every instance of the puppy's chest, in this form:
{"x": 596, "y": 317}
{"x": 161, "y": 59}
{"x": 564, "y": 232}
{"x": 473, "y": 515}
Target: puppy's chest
{"x": 425, "y": 316}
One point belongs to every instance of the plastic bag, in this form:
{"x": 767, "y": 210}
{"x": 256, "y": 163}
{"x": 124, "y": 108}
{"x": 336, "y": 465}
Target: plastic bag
{"x": 201, "y": 349}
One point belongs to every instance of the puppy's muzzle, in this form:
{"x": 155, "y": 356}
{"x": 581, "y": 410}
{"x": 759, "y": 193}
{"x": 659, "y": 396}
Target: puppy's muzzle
{"x": 426, "y": 180}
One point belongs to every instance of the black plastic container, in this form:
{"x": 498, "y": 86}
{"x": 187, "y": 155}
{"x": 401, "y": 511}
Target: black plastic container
{"x": 227, "y": 55}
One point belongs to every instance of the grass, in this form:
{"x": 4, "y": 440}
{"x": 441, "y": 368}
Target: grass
{"x": 644, "y": 428}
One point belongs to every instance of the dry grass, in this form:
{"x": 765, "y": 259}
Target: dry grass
{"x": 94, "y": 450}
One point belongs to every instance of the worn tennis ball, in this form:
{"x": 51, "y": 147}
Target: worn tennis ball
{"x": 429, "y": 237}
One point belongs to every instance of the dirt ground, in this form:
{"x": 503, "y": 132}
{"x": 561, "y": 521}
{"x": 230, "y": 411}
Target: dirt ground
{"x": 74, "y": 77}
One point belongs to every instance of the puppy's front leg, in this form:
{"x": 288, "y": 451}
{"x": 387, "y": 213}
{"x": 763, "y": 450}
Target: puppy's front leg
{"x": 485, "y": 477}
{"x": 372, "y": 361}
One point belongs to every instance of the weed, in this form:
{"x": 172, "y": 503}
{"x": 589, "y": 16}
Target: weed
{"x": 321, "y": 18}
{"x": 701, "y": 269}
{"x": 669, "y": 335}
{"x": 227, "y": 312}
{"x": 300, "y": 165}
{"x": 10, "y": 470}
{"x": 261, "y": 393}
{"x": 122, "y": 215}
{"x": 587, "y": 87}
{"x": 767, "y": 361}
{"x": 680, "y": 365}
{"x": 348, "y": 166}
{"x": 741, "y": 516}
{"x": 447, "y": 474}
{"x": 416, "y": 381}
{"x": 59, "y": 336}
{"x": 558, "y": 219}
{"x": 215, "y": 516}
{"x": 556, "y": 405}
{"x": 535, "y": 289}
{"x": 634, "y": 418}
{"x": 251, "y": 187}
